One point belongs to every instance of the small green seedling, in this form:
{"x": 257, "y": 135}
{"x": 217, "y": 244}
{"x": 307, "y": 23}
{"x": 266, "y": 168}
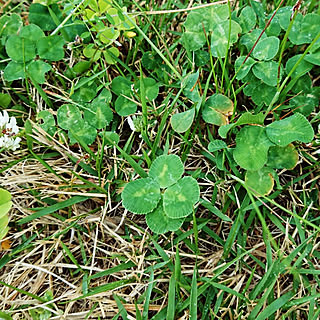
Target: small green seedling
{"x": 164, "y": 197}
{"x": 5, "y": 206}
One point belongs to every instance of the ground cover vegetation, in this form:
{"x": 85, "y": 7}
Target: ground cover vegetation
{"x": 159, "y": 160}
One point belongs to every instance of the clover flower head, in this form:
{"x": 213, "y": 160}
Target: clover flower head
{"x": 8, "y": 132}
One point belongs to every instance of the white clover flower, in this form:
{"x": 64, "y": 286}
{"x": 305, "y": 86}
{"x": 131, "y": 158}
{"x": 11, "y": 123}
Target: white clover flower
{"x": 8, "y": 132}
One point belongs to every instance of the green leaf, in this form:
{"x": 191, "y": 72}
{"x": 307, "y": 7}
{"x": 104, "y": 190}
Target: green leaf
{"x": 5, "y": 100}
{"x": 121, "y": 85}
{"x": 275, "y": 306}
{"x": 111, "y": 138}
{"x": 31, "y": 32}
{"x": 68, "y": 116}
{"x": 20, "y": 49}
{"x": 141, "y": 196}
{"x": 302, "y": 68}
{"x": 267, "y": 71}
{"x": 49, "y": 123}
{"x": 194, "y": 296}
{"x": 84, "y": 131}
{"x": 51, "y": 48}
{"x": 249, "y": 39}
{"x": 216, "y": 109}
{"x": 190, "y": 88}
{"x": 283, "y": 157}
{"x": 151, "y": 88}
{"x": 178, "y": 199}
{"x": 261, "y": 181}
{"x": 108, "y": 35}
{"x": 159, "y": 222}
{"x": 109, "y": 55}
{"x": 284, "y": 15}
{"x": 14, "y": 71}
{"x": 294, "y": 128}
{"x": 304, "y": 29}
{"x": 98, "y": 114}
{"x": 220, "y": 35}
{"x": 251, "y": 152}
{"x": 245, "y": 68}
{"x": 260, "y": 92}
{"x": 40, "y": 15}
{"x": 10, "y": 25}
{"x": 266, "y": 49}
{"x": 194, "y": 36}
{"x": 125, "y": 107}
{"x": 313, "y": 58}
{"x": 247, "y": 19}
{"x": 37, "y": 70}
{"x": 246, "y": 118}
{"x": 166, "y": 170}
{"x": 216, "y": 145}
{"x": 3, "y": 315}
{"x": 182, "y": 121}
{"x": 5, "y": 206}
{"x": 304, "y": 104}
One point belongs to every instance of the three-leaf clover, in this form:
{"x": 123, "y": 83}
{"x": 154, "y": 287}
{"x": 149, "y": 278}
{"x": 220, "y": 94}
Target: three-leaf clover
{"x": 164, "y": 197}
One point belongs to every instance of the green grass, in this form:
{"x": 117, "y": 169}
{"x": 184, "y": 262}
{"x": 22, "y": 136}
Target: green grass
{"x": 73, "y": 250}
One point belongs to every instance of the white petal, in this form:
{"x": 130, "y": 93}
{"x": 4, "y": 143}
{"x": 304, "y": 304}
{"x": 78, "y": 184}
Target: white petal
{"x": 131, "y": 124}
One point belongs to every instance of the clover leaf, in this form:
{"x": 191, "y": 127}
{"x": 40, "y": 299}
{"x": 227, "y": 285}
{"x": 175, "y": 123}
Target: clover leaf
{"x": 260, "y": 181}
{"x": 304, "y": 104}
{"x": 31, "y": 32}
{"x": 51, "y": 48}
{"x": 246, "y": 118}
{"x": 14, "y": 71}
{"x": 260, "y": 92}
{"x": 247, "y": 19}
{"x": 217, "y": 109}
{"x": 98, "y": 114}
{"x": 166, "y": 170}
{"x": 304, "y": 29}
{"x": 220, "y": 40}
{"x": 282, "y": 157}
{"x": 182, "y": 121}
{"x": 37, "y": 70}
{"x": 83, "y": 131}
{"x": 179, "y": 199}
{"x": 49, "y": 123}
{"x": 141, "y": 196}
{"x": 5, "y": 206}
{"x": 248, "y": 39}
{"x": 266, "y": 49}
{"x": 159, "y": 222}
{"x": 251, "y": 152}
{"x": 267, "y": 71}
{"x": 302, "y": 68}
{"x": 245, "y": 68}
{"x": 125, "y": 107}
{"x": 165, "y": 209}
{"x": 68, "y": 116}
{"x": 294, "y": 128}
{"x": 20, "y": 49}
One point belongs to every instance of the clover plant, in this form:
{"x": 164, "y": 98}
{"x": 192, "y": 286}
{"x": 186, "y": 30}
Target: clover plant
{"x": 261, "y": 149}
{"x": 165, "y": 197}
{"x": 125, "y": 91}
{"x": 5, "y": 206}
{"x": 107, "y": 22}
{"x": 28, "y": 49}
{"x": 215, "y": 21}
